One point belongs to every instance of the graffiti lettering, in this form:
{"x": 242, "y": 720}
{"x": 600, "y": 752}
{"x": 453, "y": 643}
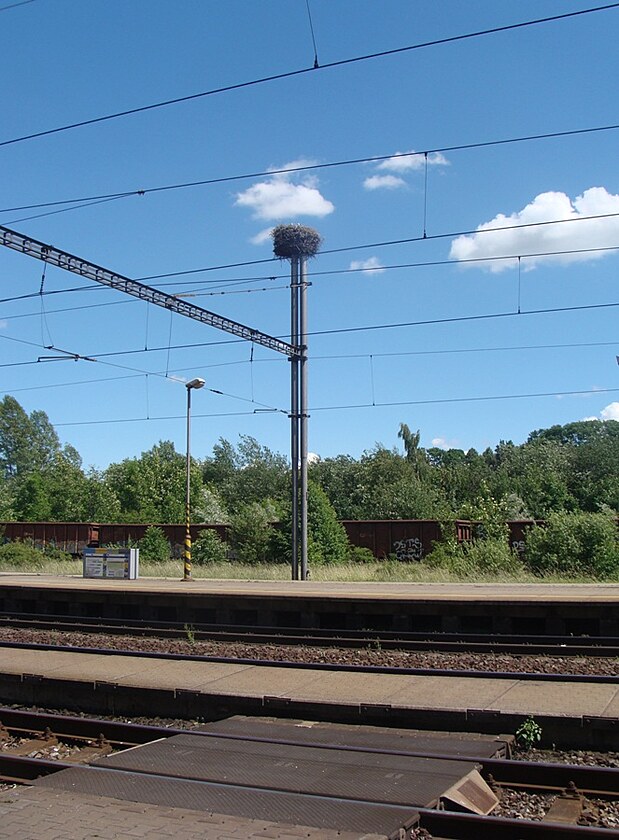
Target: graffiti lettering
{"x": 410, "y": 549}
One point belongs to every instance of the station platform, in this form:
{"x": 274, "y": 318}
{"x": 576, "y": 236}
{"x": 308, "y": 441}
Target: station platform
{"x": 513, "y": 609}
{"x": 570, "y": 713}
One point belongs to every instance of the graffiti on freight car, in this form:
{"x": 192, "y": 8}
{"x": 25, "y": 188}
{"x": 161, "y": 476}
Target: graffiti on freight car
{"x": 518, "y": 546}
{"x": 410, "y": 549}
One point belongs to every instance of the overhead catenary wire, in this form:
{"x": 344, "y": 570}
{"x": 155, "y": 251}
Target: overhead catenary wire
{"x": 317, "y": 357}
{"x": 356, "y": 406}
{"x": 430, "y": 263}
{"x": 92, "y": 200}
{"x": 325, "y": 273}
{"x": 15, "y": 5}
{"x": 310, "y": 69}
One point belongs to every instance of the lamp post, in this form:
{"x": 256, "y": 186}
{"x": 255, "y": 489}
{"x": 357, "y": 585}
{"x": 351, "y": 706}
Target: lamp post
{"x": 194, "y": 383}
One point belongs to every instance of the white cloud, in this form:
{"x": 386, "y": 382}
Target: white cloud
{"x": 411, "y": 161}
{"x": 262, "y": 237}
{"x": 299, "y": 163}
{"x": 611, "y": 412}
{"x": 442, "y": 443}
{"x": 401, "y": 163}
{"x": 279, "y": 197}
{"x": 371, "y": 265}
{"x": 313, "y": 458}
{"x": 488, "y": 241}
{"x": 383, "y": 182}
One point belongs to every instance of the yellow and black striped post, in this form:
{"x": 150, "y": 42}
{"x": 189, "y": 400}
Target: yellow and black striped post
{"x": 187, "y": 551}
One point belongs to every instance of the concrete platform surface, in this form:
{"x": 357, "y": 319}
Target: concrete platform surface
{"x": 38, "y": 813}
{"x": 484, "y": 592}
{"x": 405, "y": 691}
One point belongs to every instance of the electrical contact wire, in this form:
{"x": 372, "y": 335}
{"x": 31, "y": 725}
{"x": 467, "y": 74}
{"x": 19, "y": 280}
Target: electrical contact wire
{"x": 105, "y": 200}
{"x": 315, "y": 358}
{"x": 329, "y": 273}
{"x": 194, "y": 416}
{"x": 304, "y": 70}
{"x": 463, "y": 318}
{"x": 453, "y": 400}
{"x": 436, "y": 236}
{"x": 359, "y": 406}
{"x": 94, "y": 199}
{"x": 97, "y": 288}
{"x": 15, "y": 5}
{"x": 369, "y": 327}
{"x": 138, "y": 372}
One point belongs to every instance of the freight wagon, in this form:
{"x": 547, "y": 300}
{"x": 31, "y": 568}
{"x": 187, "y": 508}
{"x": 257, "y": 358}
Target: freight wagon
{"x": 74, "y": 537}
{"x": 404, "y": 539}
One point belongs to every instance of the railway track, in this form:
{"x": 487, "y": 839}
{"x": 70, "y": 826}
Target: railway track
{"x": 573, "y": 785}
{"x": 603, "y": 647}
{"x": 322, "y": 666}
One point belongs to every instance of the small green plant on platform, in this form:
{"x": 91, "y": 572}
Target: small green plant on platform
{"x": 529, "y": 733}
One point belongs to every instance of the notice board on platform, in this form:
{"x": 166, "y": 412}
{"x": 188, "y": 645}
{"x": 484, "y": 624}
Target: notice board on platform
{"x": 119, "y": 563}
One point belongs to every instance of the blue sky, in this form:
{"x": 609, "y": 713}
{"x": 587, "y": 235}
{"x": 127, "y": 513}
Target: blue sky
{"x": 67, "y": 61}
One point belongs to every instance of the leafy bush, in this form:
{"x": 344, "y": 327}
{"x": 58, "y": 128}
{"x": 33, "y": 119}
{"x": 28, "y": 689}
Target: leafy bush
{"x": 357, "y": 554}
{"x": 574, "y": 544}
{"x": 251, "y": 533}
{"x": 21, "y": 555}
{"x": 490, "y": 555}
{"x": 52, "y": 552}
{"x": 327, "y": 538}
{"x": 154, "y": 545}
{"x": 209, "y": 548}
{"x": 327, "y": 541}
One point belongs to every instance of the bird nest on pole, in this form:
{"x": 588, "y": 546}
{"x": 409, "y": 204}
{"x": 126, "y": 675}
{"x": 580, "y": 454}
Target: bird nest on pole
{"x": 295, "y": 241}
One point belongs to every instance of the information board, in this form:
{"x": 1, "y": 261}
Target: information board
{"x": 120, "y": 563}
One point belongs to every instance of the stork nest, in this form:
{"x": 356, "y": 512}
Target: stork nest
{"x": 295, "y": 241}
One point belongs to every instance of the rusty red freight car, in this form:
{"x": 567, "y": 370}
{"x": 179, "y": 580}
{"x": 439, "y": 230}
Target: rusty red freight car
{"x": 72, "y": 537}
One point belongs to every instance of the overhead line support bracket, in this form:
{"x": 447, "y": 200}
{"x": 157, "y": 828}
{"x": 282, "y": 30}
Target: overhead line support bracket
{"x": 47, "y": 253}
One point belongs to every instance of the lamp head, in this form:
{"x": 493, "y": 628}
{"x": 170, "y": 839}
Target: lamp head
{"x": 195, "y": 383}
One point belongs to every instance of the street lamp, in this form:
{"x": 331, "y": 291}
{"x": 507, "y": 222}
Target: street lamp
{"x": 197, "y": 384}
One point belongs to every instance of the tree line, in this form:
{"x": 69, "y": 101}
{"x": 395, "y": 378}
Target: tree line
{"x": 569, "y": 468}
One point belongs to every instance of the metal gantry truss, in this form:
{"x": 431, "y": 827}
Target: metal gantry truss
{"x": 77, "y": 265}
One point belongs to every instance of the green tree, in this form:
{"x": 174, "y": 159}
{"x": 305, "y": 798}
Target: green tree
{"x": 578, "y": 543}
{"x": 27, "y": 443}
{"x": 154, "y": 545}
{"x": 327, "y": 541}
{"x": 248, "y": 473}
{"x": 209, "y": 548}
{"x": 152, "y": 488}
{"x": 251, "y": 533}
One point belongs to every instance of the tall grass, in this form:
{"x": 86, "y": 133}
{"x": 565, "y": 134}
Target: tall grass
{"x": 378, "y": 571}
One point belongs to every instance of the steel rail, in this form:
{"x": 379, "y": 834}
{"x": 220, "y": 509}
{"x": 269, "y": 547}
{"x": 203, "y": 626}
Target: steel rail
{"x": 599, "y": 781}
{"x": 603, "y": 647}
{"x": 446, "y": 824}
{"x": 449, "y": 824}
{"x": 322, "y": 666}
